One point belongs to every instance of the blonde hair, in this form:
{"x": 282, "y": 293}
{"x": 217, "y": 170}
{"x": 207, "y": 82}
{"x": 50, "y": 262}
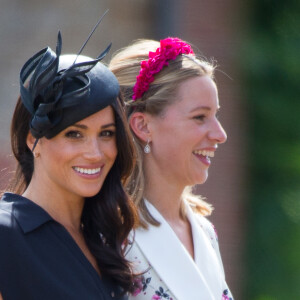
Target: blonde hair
{"x": 125, "y": 64}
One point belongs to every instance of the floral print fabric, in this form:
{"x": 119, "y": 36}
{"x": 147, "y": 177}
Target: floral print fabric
{"x": 167, "y": 270}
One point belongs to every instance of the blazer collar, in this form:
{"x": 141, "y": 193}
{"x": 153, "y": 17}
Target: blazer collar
{"x": 28, "y": 214}
{"x": 206, "y": 257}
{"x": 172, "y": 262}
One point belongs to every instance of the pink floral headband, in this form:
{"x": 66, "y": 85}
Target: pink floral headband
{"x": 169, "y": 49}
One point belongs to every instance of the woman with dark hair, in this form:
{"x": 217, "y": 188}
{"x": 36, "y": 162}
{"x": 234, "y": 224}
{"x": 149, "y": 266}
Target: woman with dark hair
{"x": 65, "y": 222}
{"x": 172, "y": 104}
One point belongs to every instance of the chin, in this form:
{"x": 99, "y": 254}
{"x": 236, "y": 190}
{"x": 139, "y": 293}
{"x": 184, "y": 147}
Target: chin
{"x": 201, "y": 179}
{"x": 89, "y": 193}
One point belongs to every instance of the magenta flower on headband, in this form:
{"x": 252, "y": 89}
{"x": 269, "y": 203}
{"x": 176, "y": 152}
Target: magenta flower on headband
{"x": 169, "y": 49}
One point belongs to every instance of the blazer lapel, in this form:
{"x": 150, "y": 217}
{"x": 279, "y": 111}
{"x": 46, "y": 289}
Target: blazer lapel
{"x": 171, "y": 260}
{"x": 206, "y": 257}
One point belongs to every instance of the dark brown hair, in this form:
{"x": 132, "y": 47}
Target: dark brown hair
{"x": 107, "y": 217}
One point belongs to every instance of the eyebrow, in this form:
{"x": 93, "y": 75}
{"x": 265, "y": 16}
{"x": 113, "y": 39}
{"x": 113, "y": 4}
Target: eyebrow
{"x": 102, "y": 127}
{"x": 203, "y": 108}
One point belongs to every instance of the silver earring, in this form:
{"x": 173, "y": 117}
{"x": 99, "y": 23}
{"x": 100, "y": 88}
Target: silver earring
{"x": 147, "y": 148}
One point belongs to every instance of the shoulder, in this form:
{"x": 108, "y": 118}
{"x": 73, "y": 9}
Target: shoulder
{"x": 10, "y": 231}
{"x": 12, "y": 242}
{"x": 11, "y": 236}
{"x": 8, "y": 221}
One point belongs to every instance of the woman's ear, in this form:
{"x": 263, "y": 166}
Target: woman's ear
{"x": 139, "y": 123}
{"x": 30, "y": 140}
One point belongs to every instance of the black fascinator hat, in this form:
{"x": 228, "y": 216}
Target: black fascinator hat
{"x": 60, "y": 90}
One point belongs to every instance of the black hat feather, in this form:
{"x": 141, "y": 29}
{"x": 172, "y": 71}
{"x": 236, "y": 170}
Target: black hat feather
{"x": 64, "y": 89}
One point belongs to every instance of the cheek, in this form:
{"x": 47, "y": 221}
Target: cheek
{"x": 59, "y": 153}
{"x": 110, "y": 150}
{"x": 166, "y": 140}
{"x": 167, "y": 148}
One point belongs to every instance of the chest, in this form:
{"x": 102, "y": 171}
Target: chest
{"x": 171, "y": 271}
{"x": 48, "y": 264}
{"x": 81, "y": 243}
{"x": 183, "y": 232}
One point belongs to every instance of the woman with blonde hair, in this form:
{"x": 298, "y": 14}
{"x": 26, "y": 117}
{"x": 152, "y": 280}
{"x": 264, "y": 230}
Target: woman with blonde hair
{"x": 172, "y": 104}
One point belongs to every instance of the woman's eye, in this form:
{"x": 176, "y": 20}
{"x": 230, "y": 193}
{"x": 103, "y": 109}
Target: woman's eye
{"x": 107, "y": 133}
{"x": 73, "y": 134}
{"x": 200, "y": 117}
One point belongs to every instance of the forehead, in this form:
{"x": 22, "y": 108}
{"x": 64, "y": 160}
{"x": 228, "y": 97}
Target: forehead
{"x": 195, "y": 85}
{"x": 196, "y": 92}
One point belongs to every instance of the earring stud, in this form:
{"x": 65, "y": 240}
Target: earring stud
{"x": 36, "y": 154}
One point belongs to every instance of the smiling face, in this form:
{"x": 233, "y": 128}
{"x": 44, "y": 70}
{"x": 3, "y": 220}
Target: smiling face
{"x": 186, "y": 135}
{"x": 77, "y": 160}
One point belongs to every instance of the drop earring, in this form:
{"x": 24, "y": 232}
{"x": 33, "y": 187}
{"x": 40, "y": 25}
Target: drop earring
{"x": 147, "y": 148}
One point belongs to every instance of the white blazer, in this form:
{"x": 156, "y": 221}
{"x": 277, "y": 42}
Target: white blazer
{"x": 171, "y": 273}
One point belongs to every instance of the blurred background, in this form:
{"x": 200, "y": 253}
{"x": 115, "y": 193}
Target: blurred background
{"x": 254, "y": 182}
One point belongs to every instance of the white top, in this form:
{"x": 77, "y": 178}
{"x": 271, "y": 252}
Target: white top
{"x": 171, "y": 271}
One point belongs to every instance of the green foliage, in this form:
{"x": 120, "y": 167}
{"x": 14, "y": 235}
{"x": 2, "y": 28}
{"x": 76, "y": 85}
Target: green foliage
{"x": 271, "y": 61}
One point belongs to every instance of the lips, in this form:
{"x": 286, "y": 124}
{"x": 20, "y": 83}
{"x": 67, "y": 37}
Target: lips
{"x": 87, "y": 171}
{"x": 204, "y": 156}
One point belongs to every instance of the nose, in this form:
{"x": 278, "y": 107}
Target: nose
{"x": 217, "y": 133}
{"x": 93, "y": 150}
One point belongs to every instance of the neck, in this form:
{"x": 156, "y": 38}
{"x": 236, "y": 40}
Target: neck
{"x": 63, "y": 207}
{"x": 163, "y": 193}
